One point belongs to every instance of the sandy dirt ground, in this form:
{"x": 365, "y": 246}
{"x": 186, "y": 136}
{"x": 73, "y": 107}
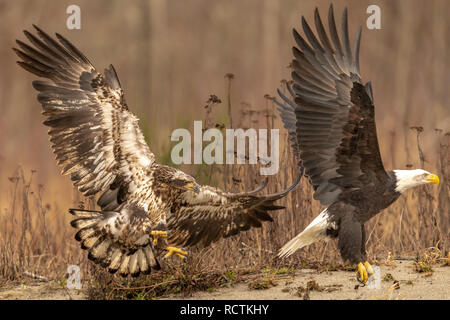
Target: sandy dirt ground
{"x": 397, "y": 282}
{"x": 404, "y": 283}
{"x": 40, "y": 291}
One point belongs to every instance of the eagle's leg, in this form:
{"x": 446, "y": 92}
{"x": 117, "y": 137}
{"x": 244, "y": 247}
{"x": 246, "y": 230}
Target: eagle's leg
{"x": 179, "y": 252}
{"x": 368, "y": 270}
{"x": 158, "y": 234}
{"x": 352, "y": 246}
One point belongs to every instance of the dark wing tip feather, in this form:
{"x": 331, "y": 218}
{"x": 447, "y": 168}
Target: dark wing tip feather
{"x": 321, "y": 31}
{"x": 260, "y": 187}
{"x": 66, "y": 43}
{"x": 345, "y": 37}
{"x": 333, "y": 32}
{"x": 368, "y": 87}
{"x": 111, "y": 77}
{"x": 53, "y": 43}
{"x": 283, "y": 193}
{"x": 32, "y": 69}
{"x": 311, "y": 37}
{"x": 356, "y": 49}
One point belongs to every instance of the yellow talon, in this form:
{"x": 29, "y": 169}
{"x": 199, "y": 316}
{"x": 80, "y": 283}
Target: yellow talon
{"x": 365, "y": 271}
{"x": 158, "y": 234}
{"x": 179, "y": 252}
{"x": 369, "y": 269}
{"x": 362, "y": 272}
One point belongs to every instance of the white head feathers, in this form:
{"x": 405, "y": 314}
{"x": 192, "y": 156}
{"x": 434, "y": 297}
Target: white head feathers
{"x": 412, "y": 178}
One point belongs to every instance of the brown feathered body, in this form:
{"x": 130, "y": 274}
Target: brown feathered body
{"x": 98, "y": 142}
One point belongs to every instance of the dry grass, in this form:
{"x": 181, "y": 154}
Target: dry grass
{"x": 36, "y": 239}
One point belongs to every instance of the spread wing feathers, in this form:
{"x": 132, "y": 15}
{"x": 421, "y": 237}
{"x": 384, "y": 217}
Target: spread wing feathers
{"x": 334, "y": 112}
{"x": 95, "y": 138}
{"x": 212, "y": 214}
{"x": 118, "y": 241}
{"x": 286, "y": 108}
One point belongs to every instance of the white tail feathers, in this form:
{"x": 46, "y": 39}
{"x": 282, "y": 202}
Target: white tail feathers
{"x": 315, "y": 231}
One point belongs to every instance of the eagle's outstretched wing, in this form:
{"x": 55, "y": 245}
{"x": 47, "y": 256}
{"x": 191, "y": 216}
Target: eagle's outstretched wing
{"x": 95, "y": 137}
{"x": 212, "y": 214}
{"x": 334, "y": 112}
{"x": 98, "y": 142}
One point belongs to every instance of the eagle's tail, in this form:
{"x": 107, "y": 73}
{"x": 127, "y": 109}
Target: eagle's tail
{"x": 101, "y": 234}
{"x": 315, "y": 231}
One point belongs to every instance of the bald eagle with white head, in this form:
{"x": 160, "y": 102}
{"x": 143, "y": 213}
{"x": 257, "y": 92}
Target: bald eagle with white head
{"x": 98, "y": 142}
{"x": 329, "y": 115}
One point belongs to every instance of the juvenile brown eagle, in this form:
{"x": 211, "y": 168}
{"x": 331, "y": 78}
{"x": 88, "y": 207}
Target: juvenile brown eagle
{"x": 331, "y": 125}
{"x": 98, "y": 142}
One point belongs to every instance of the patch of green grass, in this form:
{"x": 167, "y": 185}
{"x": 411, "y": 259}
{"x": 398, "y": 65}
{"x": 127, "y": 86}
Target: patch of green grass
{"x": 248, "y": 271}
{"x": 331, "y": 268}
{"x": 228, "y": 279}
{"x": 446, "y": 260}
{"x": 350, "y": 268}
{"x": 63, "y": 282}
{"x": 422, "y": 267}
{"x": 388, "y": 277}
{"x": 262, "y": 283}
{"x": 139, "y": 296}
{"x": 282, "y": 270}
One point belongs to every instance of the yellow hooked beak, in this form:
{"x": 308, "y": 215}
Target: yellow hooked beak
{"x": 193, "y": 187}
{"x": 432, "y": 178}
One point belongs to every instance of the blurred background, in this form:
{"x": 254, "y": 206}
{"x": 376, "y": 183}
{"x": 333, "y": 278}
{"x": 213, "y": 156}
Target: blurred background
{"x": 170, "y": 57}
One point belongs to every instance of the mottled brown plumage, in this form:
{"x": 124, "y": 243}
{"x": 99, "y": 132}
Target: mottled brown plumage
{"x": 98, "y": 142}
